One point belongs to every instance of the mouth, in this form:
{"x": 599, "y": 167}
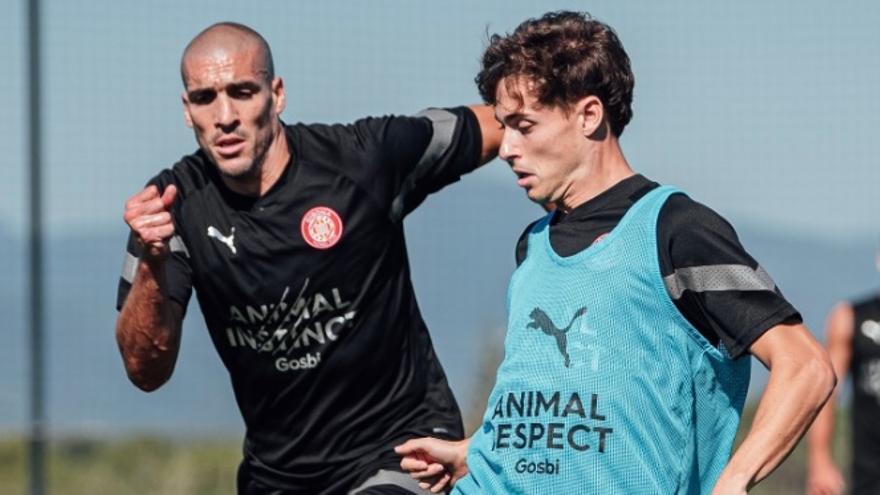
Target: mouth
{"x": 229, "y": 146}
{"x": 523, "y": 178}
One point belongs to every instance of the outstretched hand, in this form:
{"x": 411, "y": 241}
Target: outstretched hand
{"x": 436, "y": 464}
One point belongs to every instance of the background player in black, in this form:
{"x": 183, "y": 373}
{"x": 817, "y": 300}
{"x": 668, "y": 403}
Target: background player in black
{"x": 562, "y": 89}
{"x": 292, "y": 237}
{"x": 853, "y": 339}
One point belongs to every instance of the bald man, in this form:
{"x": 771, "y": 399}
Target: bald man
{"x": 292, "y": 237}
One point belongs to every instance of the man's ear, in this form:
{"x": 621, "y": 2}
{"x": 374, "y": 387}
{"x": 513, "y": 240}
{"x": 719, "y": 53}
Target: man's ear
{"x": 279, "y": 94}
{"x": 592, "y": 114}
{"x": 186, "y": 115}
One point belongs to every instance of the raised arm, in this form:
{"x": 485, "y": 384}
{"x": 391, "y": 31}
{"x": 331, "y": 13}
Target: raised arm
{"x": 801, "y": 379}
{"x": 823, "y": 476}
{"x": 148, "y": 325}
{"x": 490, "y": 131}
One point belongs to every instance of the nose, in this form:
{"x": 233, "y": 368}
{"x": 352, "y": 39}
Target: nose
{"x": 227, "y": 116}
{"x": 507, "y": 150}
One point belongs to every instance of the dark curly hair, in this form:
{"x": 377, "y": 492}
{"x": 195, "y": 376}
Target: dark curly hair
{"x": 566, "y": 56}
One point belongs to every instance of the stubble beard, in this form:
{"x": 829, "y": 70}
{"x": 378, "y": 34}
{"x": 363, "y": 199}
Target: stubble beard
{"x": 252, "y": 174}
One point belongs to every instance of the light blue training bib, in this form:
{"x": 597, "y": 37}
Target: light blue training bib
{"x": 605, "y": 387}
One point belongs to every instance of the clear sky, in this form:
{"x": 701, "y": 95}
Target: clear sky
{"x": 765, "y": 110}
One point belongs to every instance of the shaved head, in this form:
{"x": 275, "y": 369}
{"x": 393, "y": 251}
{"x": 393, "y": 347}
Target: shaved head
{"x": 232, "y": 101}
{"x": 229, "y": 37}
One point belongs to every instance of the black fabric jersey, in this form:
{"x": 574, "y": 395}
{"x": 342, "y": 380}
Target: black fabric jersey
{"x": 865, "y": 368}
{"x": 307, "y": 296}
{"x": 714, "y": 282}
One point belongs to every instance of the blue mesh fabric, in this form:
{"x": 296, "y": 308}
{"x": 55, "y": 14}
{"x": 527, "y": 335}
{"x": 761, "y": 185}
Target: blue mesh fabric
{"x": 605, "y": 386}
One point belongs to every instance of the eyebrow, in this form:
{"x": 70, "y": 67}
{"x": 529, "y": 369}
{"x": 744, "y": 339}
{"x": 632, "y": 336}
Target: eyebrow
{"x": 195, "y": 93}
{"x": 511, "y": 119}
{"x": 249, "y": 84}
{"x": 246, "y": 84}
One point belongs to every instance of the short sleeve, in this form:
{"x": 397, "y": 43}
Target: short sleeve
{"x": 715, "y": 283}
{"x": 429, "y": 151}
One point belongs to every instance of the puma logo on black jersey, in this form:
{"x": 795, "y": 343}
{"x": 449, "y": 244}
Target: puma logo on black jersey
{"x": 228, "y": 240}
{"x": 542, "y": 321}
{"x": 871, "y": 329}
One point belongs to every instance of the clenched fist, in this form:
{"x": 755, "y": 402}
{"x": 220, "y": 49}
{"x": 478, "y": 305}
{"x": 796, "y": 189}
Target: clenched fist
{"x": 148, "y": 214}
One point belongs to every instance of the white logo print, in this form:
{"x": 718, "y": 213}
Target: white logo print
{"x": 228, "y": 240}
{"x": 871, "y": 379}
{"x": 871, "y": 329}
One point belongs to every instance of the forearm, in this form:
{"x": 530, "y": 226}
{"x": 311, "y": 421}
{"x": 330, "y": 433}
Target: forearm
{"x": 147, "y": 332}
{"x": 490, "y": 131}
{"x": 819, "y": 440}
{"x": 839, "y": 329}
{"x": 795, "y": 393}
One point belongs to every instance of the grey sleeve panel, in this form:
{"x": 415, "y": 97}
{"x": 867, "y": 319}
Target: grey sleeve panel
{"x": 386, "y": 477}
{"x": 177, "y": 246}
{"x": 443, "y": 124}
{"x": 717, "y": 278}
{"x": 129, "y": 266}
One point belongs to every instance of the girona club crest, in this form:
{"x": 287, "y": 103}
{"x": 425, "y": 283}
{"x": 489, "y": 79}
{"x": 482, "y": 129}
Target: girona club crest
{"x": 321, "y": 227}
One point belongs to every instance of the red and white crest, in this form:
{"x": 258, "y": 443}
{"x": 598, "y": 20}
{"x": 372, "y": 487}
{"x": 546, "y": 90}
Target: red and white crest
{"x": 321, "y": 227}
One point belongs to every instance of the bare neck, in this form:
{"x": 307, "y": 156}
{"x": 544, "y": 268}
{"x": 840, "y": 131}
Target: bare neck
{"x": 277, "y": 158}
{"x": 604, "y": 166}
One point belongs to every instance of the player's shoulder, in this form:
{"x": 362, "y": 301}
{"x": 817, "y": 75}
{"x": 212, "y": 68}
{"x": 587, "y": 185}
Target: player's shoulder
{"x": 689, "y": 233}
{"x": 339, "y": 130}
{"x": 190, "y": 174}
{"x": 356, "y": 148}
{"x": 338, "y": 145}
{"x": 683, "y": 216}
{"x": 371, "y": 130}
{"x": 681, "y": 208}
{"x": 360, "y": 133}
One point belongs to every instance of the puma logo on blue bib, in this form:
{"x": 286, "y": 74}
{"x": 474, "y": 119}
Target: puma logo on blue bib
{"x": 542, "y": 321}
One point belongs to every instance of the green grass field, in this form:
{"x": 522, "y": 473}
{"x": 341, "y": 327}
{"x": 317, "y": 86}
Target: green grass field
{"x": 137, "y": 465}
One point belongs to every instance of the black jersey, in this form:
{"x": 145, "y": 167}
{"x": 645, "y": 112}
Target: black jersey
{"x": 865, "y": 368}
{"x": 712, "y": 280}
{"x": 307, "y": 296}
